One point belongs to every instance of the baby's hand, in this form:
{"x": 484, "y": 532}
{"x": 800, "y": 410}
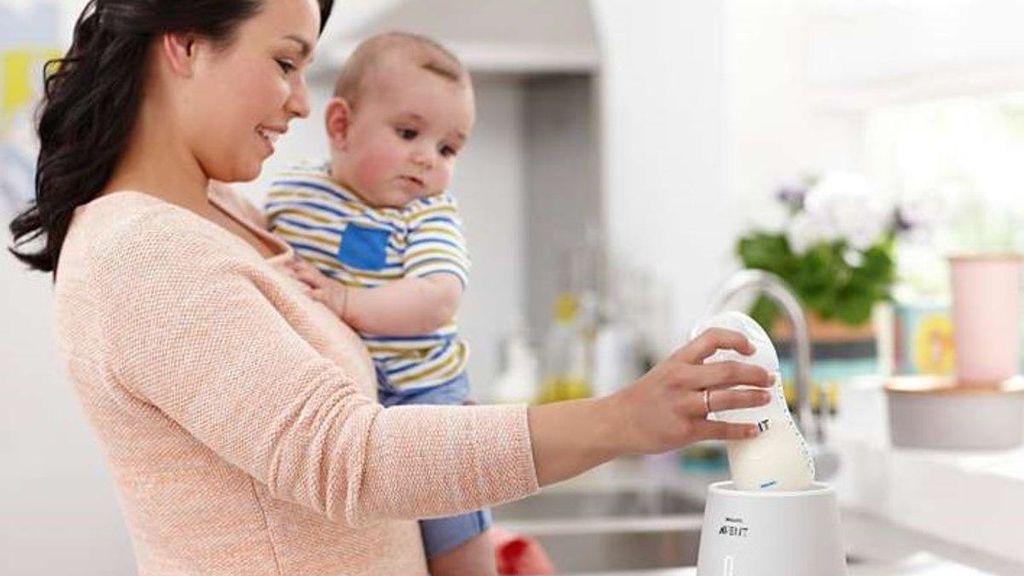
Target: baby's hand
{"x": 319, "y": 286}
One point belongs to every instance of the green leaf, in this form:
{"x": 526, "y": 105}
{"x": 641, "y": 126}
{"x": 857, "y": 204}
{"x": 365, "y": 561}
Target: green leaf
{"x": 821, "y": 278}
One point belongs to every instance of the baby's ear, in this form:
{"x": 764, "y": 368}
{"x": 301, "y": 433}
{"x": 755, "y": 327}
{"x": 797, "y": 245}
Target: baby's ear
{"x": 337, "y": 118}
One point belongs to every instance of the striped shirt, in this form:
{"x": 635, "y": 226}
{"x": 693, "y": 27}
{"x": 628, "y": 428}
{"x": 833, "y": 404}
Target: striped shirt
{"x": 365, "y": 247}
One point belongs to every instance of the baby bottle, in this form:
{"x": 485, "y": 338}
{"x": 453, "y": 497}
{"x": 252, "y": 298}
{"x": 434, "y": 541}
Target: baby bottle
{"x": 778, "y": 458}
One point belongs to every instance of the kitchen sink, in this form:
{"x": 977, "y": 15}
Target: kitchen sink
{"x": 630, "y": 519}
{"x": 610, "y": 528}
{"x": 615, "y": 502}
{"x": 625, "y": 529}
{"x": 621, "y": 549}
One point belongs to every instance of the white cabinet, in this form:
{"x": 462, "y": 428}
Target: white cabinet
{"x": 503, "y": 36}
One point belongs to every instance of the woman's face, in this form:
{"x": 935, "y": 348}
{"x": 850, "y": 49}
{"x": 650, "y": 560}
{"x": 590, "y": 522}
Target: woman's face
{"x": 241, "y": 97}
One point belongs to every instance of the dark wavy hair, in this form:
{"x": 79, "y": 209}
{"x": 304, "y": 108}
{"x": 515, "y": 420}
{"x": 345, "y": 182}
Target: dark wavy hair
{"x": 91, "y": 99}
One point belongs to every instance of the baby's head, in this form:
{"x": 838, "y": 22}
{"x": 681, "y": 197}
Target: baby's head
{"x": 402, "y": 111}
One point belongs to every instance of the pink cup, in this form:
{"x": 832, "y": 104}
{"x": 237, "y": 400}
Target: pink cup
{"x": 986, "y": 316}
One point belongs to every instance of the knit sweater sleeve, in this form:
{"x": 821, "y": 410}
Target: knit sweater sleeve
{"x": 195, "y": 332}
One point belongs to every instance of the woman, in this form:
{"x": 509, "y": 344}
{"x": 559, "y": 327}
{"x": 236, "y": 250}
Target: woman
{"x": 237, "y": 417}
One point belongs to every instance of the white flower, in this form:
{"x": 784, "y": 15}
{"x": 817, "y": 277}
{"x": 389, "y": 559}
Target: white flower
{"x": 848, "y": 208}
{"x": 804, "y": 232}
{"x": 927, "y": 209}
{"x": 853, "y": 258}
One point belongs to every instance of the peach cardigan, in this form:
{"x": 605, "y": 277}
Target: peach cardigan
{"x": 238, "y": 416}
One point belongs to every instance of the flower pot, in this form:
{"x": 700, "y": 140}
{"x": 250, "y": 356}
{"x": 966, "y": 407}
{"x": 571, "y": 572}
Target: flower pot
{"x": 838, "y": 352}
{"x": 939, "y": 413}
{"x": 986, "y": 317}
{"x": 830, "y": 340}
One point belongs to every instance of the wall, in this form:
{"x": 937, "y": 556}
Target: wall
{"x": 59, "y": 511}
{"x": 866, "y": 53}
{"x": 670, "y": 211}
{"x": 489, "y": 182}
{"x": 57, "y": 494}
{"x": 562, "y": 190}
{"x": 707, "y": 108}
{"x": 779, "y": 128}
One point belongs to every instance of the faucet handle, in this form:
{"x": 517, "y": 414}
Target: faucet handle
{"x": 826, "y": 461}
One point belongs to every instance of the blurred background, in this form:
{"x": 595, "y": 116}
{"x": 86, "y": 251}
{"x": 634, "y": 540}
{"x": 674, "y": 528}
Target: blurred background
{"x": 627, "y": 158}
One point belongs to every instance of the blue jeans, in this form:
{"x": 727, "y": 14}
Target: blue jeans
{"x": 440, "y": 535}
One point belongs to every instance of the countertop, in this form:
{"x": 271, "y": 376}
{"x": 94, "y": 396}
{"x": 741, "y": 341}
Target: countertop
{"x": 905, "y": 512}
{"x": 971, "y": 499}
{"x": 890, "y": 548}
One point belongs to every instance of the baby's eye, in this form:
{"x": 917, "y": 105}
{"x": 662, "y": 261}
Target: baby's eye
{"x": 286, "y": 66}
{"x": 406, "y": 133}
{"x": 448, "y": 151}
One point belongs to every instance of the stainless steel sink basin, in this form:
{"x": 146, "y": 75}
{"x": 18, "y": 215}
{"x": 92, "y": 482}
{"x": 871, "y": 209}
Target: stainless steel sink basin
{"x": 619, "y": 528}
{"x": 621, "y": 550}
{"x": 610, "y": 528}
{"x": 646, "y": 501}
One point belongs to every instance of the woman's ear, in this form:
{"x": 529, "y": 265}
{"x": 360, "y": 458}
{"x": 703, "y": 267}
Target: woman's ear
{"x": 337, "y": 119}
{"x": 179, "y": 50}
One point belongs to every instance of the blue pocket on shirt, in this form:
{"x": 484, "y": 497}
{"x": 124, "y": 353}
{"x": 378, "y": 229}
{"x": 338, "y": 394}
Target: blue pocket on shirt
{"x": 363, "y": 248}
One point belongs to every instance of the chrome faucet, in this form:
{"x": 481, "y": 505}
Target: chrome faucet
{"x": 759, "y": 282}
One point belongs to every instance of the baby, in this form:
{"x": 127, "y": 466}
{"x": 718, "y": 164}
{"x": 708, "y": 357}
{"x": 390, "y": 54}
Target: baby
{"x": 381, "y": 238}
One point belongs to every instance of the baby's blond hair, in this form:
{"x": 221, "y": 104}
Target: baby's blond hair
{"x": 424, "y": 52}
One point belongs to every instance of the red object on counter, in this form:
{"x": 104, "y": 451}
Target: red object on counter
{"x": 519, "y": 554}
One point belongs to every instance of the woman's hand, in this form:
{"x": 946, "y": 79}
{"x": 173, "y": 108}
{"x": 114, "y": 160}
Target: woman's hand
{"x": 668, "y": 407}
{"x": 664, "y": 409}
{"x": 320, "y": 287}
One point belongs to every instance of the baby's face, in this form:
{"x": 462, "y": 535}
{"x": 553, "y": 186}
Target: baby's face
{"x": 406, "y": 131}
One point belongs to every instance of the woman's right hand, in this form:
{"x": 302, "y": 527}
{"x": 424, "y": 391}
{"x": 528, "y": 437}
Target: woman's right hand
{"x": 662, "y": 410}
{"x": 667, "y": 408}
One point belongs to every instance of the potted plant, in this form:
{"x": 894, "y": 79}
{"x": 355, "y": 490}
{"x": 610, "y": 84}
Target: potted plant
{"x": 836, "y": 252}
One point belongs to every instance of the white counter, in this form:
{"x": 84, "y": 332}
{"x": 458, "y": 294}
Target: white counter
{"x": 885, "y": 547}
{"x": 893, "y": 543}
{"x": 904, "y": 512}
{"x": 970, "y": 499}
